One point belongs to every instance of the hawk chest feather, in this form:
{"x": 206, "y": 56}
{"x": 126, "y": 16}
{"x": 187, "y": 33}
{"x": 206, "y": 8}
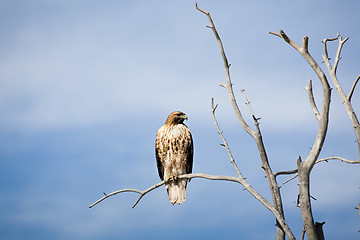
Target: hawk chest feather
{"x": 173, "y": 145}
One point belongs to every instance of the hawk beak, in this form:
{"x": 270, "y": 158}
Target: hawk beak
{"x": 185, "y": 117}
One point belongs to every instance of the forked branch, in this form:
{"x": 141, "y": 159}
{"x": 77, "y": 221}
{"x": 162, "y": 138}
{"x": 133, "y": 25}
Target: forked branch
{"x": 256, "y": 135}
{"x": 304, "y": 167}
{"x": 345, "y": 99}
{"x": 324, "y": 115}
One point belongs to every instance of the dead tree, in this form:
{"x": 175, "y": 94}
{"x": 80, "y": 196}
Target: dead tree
{"x": 304, "y": 167}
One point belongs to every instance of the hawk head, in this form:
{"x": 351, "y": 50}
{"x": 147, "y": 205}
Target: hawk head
{"x": 176, "y": 117}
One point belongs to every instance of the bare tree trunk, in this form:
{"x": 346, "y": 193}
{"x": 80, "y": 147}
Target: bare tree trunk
{"x": 304, "y": 168}
{"x": 305, "y": 204}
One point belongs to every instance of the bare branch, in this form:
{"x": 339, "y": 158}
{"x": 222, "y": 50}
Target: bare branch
{"x": 287, "y": 39}
{"x": 353, "y": 88}
{"x": 247, "y": 102}
{"x": 332, "y": 39}
{"x": 293, "y": 177}
{"x": 142, "y": 193}
{"x": 345, "y": 99}
{"x": 314, "y": 108}
{"x": 303, "y": 233}
{"x": 247, "y": 186}
{"x": 241, "y": 177}
{"x": 324, "y": 117}
{"x": 187, "y": 176}
{"x": 240, "y": 180}
{"x": 276, "y": 34}
{"x": 275, "y": 189}
{"x": 337, "y": 58}
{"x": 213, "y": 108}
{"x": 286, "y": 172}
{"x": 318, "y": 161}
{"x": 328, "y": 40}
{"x": 253, "y": 192}
{"x": 228, "y": 84}
{"x": 256, "y": 120}
{"x": 338, "y": 158}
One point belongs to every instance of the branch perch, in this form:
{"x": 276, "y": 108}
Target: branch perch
{"x": 144, "y": 192}
{"x": 240, "y": 180}
{"x": 188, "y": 176}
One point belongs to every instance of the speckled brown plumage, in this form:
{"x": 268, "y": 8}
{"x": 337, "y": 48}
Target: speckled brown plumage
{"x": 174, "y": 155}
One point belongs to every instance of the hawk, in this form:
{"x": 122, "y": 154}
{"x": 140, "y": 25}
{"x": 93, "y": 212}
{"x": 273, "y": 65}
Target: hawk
{"x": 174, "y": 155}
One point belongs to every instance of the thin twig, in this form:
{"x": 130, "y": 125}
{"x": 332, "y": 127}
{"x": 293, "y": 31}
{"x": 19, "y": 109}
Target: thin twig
{"x": 287, "y": 39}
{"x": 285, "y": 172}
{"x": 142, "y": 193}
{"x": 353, "y": 88}
{"x": 228, "y": 84}
{"x": 247, "y": 102}
{"x": 318, "y": 161}
{"x": 332, "y": 39}
{"x": 213, "y": 109}
{"x": 314, "y": 108}
{"x": 338, "y": 158}
{"x": 303, "y": 233}
{"x": 337, "y": 57}
{"x": 329, "y": 40}
{"x": 256, "y": 120}
{"x": 293, "y": 177}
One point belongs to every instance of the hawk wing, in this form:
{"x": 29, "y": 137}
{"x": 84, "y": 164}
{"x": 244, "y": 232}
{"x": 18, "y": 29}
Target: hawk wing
{"x": 159, "y": 164}
{"x": 190, "y": 156}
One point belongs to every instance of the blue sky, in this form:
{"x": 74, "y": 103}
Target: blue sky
{"x": 84, "y": 86}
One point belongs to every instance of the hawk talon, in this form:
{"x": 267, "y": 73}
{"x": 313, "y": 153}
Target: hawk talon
{"x": 172, "y": 178}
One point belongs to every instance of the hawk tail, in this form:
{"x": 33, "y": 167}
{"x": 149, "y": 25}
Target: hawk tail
{"x": 176, "y": 191}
